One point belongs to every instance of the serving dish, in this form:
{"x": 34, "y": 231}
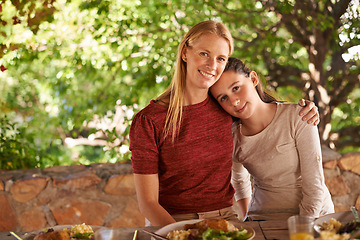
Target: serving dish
{"x": 180, "y": 226}
{"x": 342, "y": 217}
{"x": 33, "y": 234}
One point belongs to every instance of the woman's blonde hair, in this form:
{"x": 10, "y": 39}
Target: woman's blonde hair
{"x": 176, "y": 89}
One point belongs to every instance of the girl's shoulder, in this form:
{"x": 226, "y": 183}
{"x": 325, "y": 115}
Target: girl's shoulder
{"x": 289, "y": 112}
{"x": 287, "y": 107}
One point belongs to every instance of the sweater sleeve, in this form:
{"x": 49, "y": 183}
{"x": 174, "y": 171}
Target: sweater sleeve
{"x": 313, "y": 182}
{"x": 241, "y": 181}
{"x": 240, "y": 177}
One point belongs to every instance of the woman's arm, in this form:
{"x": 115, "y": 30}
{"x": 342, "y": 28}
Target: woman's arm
{"x": 309, "y": 112}
{"x": 147, "y": 191}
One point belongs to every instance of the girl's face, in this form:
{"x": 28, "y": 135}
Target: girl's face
{"x": 205, "y": 59}
{"x": 236, "y": 93}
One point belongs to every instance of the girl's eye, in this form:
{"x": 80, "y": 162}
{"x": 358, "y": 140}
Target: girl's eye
{"x": 221, "y": 59}
{"x": 203, "y": 54}
{"x": 235, "y": 88}
{"x": 223, "y": 98}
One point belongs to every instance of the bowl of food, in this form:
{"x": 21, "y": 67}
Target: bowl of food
{"x": 64, "y": 232}
{"x": 341, "y": 225}
{"x": 205, "y": 229}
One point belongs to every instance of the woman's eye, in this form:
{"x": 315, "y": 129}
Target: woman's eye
{"x": 203, "y": 54}
{"x": 235, "y": 88}
{"x": 221, "y": 59}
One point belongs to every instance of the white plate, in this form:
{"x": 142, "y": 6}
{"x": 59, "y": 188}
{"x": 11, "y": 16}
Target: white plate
{"x": 180, "y": 226}
{"x": 342, "y": 217}
{"x": 32, "y": 235}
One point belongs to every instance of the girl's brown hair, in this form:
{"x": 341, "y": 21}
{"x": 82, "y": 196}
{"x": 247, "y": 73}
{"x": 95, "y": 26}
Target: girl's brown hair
{"x": 237, "y": 66}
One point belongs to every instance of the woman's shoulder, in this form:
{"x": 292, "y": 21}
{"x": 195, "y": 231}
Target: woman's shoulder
{"x": 153, "y": 106}
{"x": 152, "y": 111}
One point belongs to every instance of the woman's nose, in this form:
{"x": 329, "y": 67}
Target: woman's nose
{"x": 211, "y": 63}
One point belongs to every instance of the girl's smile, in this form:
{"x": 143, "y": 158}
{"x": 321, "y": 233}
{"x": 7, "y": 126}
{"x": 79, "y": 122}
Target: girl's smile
{"x": 235, "y": 93}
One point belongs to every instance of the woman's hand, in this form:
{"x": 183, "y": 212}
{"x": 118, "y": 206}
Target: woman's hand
{"x": 147, "y": 191}
{"x": 309, "y": 112}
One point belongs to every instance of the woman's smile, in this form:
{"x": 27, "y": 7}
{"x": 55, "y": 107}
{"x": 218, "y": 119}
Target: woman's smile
{"x": 206, "y": 58}
{"x": 207, "y": 75}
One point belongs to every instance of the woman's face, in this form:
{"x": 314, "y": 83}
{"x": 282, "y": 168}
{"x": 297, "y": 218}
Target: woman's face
{"x": 236, "y": 93}
{"x": 205, "y": 59}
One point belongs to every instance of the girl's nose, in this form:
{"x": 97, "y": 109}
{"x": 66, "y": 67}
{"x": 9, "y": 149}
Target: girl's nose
{"x": 235, "y": 101}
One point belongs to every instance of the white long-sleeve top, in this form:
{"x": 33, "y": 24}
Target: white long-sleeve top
{"x": 285, "y": 163}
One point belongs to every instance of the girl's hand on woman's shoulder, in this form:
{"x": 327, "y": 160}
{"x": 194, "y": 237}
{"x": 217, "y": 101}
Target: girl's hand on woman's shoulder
{"x": 309, "y": 112}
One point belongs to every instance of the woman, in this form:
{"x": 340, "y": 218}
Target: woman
{"x": 181, "y": 143}
{"x": 281, "y": 152}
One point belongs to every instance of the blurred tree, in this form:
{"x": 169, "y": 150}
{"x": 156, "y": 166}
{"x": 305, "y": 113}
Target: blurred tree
{"x": 303, "y": 44}
{"x": 78, "y": 70}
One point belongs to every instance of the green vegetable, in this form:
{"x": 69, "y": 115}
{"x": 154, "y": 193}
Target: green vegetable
{"x": 213, "y": 234}
{"x": 82, "y": 235}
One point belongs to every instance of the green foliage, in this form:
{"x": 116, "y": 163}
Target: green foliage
{"x": 17, "y": 148}
{"x": 347, "y": 112}
{"x": 71, "y": 63}
{"x": 345, "y": 115}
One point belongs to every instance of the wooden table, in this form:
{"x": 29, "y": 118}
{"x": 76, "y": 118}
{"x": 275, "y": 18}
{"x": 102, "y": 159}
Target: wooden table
{"x": 274, "y": 229}
{"x": 263, "y": 230}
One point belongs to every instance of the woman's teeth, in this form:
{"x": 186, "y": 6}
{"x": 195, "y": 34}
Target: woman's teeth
{"x": 206, "y": 74}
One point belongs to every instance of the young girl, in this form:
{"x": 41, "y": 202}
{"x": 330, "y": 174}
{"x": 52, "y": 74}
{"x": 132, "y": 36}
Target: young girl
{"x": 281, "y": 152}
{"x": 181, "y": 143}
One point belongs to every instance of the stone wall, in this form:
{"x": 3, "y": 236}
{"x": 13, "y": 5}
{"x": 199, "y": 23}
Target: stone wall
{"x": 100, "y": 194}
{"x": 104, "y": 194}
{"x": 342, "y": 177}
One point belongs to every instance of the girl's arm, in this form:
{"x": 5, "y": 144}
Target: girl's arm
{"x": 147, "y": 191}
{"x": 313, "y": 181}
{"x": 240, "y": 180}
{"x": 309, "y": 112}
{"x": 243, "y": 205}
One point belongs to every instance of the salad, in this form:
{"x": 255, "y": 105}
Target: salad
{"x": 335, "y": 230}
{"x": 76, "y": 232}
{"x": 210, "y": 229}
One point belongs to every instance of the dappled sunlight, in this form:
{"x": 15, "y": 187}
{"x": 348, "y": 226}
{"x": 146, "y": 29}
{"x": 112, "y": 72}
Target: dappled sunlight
{"x": 73, "y": 73}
